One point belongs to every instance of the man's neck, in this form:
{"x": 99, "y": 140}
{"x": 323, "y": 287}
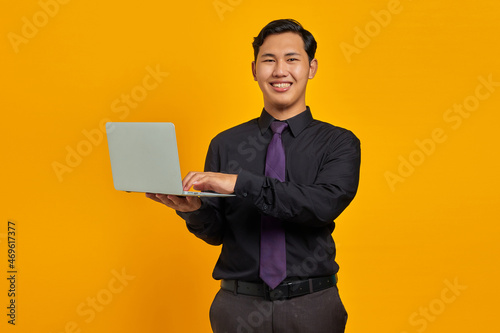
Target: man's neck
{"x": 284, "y": 113}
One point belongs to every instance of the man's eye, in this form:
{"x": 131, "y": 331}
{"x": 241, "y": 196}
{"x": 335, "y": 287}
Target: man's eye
{"x": 293, "y": 59}
{"x": 268, "y": 60}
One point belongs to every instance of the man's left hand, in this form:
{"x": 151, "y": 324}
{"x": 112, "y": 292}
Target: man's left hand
{"x": 210, "y": 181}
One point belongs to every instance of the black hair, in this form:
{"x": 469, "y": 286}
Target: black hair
{"x": 286, "y": 25}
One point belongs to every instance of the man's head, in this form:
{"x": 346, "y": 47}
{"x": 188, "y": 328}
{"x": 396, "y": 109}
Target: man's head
{"x": 286, "y": 25}
{"x": 284, "y": 62}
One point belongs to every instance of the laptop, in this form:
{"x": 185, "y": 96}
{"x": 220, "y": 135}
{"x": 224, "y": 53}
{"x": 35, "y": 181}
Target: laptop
{"x": 144, "y": 158}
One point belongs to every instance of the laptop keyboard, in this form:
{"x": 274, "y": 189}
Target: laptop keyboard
{"x": 206, "y": 194}
{"x": 191, "y": 192}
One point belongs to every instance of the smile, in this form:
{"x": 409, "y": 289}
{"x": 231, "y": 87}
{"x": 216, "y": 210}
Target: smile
{"x": 281, "y": 85}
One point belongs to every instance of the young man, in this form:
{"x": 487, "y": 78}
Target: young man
{"x": 292, "y": 176}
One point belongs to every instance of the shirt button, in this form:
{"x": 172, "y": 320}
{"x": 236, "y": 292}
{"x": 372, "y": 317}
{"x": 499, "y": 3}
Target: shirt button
{"x": 245, "y": 194}
{"x": 264, "y": 207}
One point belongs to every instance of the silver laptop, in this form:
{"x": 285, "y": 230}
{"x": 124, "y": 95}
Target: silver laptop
{"x": 144, "y": 158}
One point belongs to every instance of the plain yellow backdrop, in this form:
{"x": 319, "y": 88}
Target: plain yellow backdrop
{"x": 417, "y": 81}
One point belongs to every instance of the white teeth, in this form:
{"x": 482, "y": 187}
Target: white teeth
{"x": 282, "y": 85}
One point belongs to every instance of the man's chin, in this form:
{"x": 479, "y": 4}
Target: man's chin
{"x": 280, "y": 103}
{"x": 283, "y": 103}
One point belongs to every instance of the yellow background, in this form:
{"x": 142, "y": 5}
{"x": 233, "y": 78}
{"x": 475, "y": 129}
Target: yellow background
{"x": 400, "y": 244}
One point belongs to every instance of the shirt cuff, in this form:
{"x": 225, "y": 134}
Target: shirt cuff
{"x": 249, "y": 185}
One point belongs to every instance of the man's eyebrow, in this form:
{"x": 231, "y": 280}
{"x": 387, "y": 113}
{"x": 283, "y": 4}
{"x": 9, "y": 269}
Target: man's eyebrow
{"x": 286, "y": 55}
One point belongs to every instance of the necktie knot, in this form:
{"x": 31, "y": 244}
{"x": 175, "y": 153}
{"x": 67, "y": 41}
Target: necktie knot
{"x": 278, "y": 126}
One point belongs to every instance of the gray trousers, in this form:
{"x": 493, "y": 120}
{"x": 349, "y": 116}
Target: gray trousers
{"x": 319, "y": 312}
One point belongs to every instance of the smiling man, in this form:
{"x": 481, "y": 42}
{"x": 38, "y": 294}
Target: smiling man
{"x": 277, "y": 264}
{"x": 283, "y": 69}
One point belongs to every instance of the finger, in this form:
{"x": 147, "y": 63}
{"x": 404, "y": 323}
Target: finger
{"x": 218, "y": 182}
{"x": 188, "y": 179}
{"x": 196, "y": 179}
{"x": 185, "y": 204}
{"x": 176, "y": 200}
{"x": 165, "y": 200}
{"x": 202, "y": 183}
{"x": 152, "y": 196}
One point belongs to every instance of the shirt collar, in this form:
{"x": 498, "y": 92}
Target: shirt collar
{"x": 296, "y": 123}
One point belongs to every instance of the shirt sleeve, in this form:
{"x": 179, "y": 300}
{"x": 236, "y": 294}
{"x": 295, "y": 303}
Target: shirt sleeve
{"x": 207, "y": 223}
{"x": 316, "y": 204}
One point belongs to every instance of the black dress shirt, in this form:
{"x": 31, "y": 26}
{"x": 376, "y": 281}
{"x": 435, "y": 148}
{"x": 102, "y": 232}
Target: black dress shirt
{"x": 322, "y": 174}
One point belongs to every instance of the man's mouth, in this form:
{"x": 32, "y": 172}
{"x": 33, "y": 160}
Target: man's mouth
{"x": 281, "y": 84}
{"x": 281, "y": 87}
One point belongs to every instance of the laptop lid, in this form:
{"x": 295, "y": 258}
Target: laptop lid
{"x": 144, "y": 158}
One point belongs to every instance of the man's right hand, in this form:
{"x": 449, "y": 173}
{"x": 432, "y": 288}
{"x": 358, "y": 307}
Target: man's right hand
{"x": 182, "y": 204}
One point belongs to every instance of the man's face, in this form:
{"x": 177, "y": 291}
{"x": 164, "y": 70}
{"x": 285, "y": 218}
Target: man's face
{"x": 282, "y": 69}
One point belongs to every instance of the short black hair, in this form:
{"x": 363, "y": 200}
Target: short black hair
{"x": 286, "y": 25}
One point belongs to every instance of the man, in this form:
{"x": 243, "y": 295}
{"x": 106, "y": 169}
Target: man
{"x": 292, "y": 176}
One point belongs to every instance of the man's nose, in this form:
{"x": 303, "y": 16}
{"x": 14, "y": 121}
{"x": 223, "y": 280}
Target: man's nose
{"x": 280, "y": 69}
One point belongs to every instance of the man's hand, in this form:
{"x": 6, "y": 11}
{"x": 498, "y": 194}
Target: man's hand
{"x": 200, "y": 181}
{"x": 210, "y": 181}
{"x": 182, "y": 204}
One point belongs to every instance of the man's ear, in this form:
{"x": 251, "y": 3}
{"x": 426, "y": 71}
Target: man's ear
{"x": 254, "y": 70}
{"x": 313, "y": 68}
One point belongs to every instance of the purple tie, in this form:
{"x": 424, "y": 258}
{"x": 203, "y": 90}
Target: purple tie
{"x": 272, "y": 235}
